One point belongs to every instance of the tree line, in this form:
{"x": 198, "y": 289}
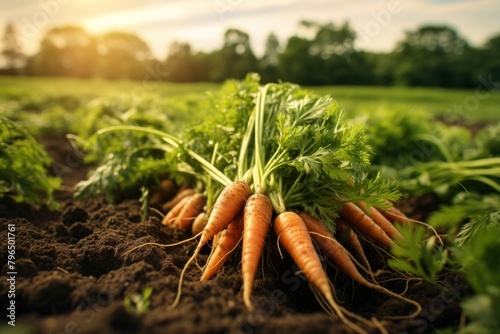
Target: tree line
{"x": 319, "y": 54}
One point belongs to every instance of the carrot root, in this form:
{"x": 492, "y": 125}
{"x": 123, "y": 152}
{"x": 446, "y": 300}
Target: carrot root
{"x": 191, "y": 209}
{"x": 361, "y": 221}
{"x": 340, "y": 256}
{"x": 257, "y": 218}
{"x": 295, "y": 239}
{"x": 166, "y": 207}
{"x": 381, "y": 221}
{"x": 228, "y": 205}
{"x": 199, "y": 223}
{"x": 171, "y": 216}
{"x": 226, "y": 242}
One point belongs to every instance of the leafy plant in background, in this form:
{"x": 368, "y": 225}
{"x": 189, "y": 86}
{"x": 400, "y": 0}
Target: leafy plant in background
{"x": 23, "y": 167}
{"x": 479, "y": 256}
{"x": 139, "y": 302}
{"x": 464, "y": 171}
{"x": 126, "y": 161}
{"x": 419, "y": 254}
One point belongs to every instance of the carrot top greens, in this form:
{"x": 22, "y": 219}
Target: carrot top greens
{"x": 287, "y": 142}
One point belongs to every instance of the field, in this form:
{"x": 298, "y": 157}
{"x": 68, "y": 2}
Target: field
{"x": 72, "y": 274}
{"x": 464, "y": 106}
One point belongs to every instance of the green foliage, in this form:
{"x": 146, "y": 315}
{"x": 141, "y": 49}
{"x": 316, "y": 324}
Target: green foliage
{"x": 418, "y": 254}
{"x": 81, "y": 107}
{"x": 485, "y": 218}
{"x": 463, "y": 206}
{"x": 139, "y": 302}
{"x": 327, "y": 56}
{"x": 392, "y": 134}
{"x": 480, "y": 258}
{"x": 482, "y": 310}
{"x": 23, "y": 167}
{"x": 224, "y": 123}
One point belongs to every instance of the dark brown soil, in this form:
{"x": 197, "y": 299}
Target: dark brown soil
{"x": 73, "y": 277}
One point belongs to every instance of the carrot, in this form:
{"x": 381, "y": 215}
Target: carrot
{"x": 358, "y": 218}
{"x": 381, "y": 221}
{"x": 294, "y": 237}
{"x": 341, "y": 257}
{"x": 228, "y": 205}
{"x": 257, "y": 218}
{"x": 172, "y": 215}
{"x": 222, "y": 249}
{"x": 395, "y": 215}
{"x": 333, "y": 249}
{"x": 161, "y": 193}
{"x": 199, "y": 223}
{"x": 352, "y": 240}
{"x": 177, "y": 198}
{"x": 192, "y": 208}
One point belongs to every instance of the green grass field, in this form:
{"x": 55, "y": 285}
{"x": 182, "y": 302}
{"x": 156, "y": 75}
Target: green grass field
{"x": 459, "y": 105}
{"x": 54, "y": 103}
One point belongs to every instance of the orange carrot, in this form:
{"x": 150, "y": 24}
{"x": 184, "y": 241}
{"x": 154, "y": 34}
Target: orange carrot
{"x": 171, "y": 216}
{"x": 161, "y": 193}
{"x": 333, "y": 249}
{"x": 192, "y": 208}
{"x": 257, "y": 218}
{"x": 228, "y": 205}
{"x": 294, "y": 237}
{"x": 358, "y": 218}
{"x": 199, "y": 223}
{"x": 395, "y": 215}
{"x": 180, "y": 195}
{"x": 381, "y": 221}
{"x": 222, "y": 249}
{"x": 340, "y": 256}
{"x": 352, "y": 240}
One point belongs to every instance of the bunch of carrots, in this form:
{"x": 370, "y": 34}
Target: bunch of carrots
{"x": 278, "y": 157}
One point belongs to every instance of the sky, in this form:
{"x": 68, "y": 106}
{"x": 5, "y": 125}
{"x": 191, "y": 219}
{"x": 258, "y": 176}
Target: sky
{"x": 379, "y": 24}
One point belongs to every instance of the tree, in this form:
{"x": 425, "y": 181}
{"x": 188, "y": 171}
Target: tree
{"x": 433, "y": 56}
{"x": 324, "y": 54}
{"x": 296, "y": 64}
{"x": 268, "y": 64}
{"x": 66, "y": 51}
{"x": 12, "y": 50}
{"x": 490, "y": 58}
{"x": 181, "y": 65}
{"x": 123, "y": 56}
{"x": 235, "y": 59}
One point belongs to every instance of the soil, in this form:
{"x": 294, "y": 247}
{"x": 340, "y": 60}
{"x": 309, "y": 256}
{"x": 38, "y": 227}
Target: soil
{"x": 72, "y": 275}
